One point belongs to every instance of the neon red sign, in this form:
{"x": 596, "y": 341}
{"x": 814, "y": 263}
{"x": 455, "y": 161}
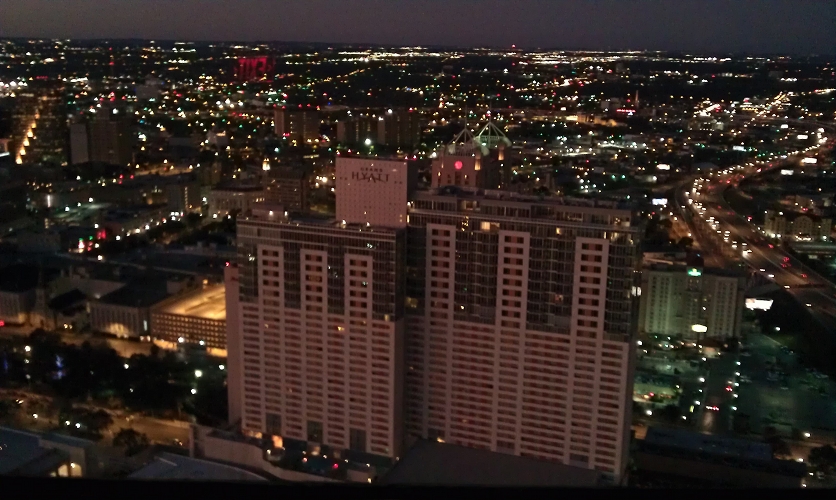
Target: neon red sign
{"x": 254, "y": 68}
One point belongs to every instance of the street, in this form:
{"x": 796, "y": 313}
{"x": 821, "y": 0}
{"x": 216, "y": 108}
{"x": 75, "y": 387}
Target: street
{"x": 158, "y": 430}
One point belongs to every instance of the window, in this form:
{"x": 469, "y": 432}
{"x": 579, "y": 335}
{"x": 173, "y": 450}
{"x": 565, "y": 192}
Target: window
{"x": 314, "y": 431}
{"x": 357, "y": 440}
{"x": 273, "y": 424}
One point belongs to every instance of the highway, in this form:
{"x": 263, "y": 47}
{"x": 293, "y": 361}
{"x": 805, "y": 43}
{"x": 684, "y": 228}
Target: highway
{"x": 703, "y": 204}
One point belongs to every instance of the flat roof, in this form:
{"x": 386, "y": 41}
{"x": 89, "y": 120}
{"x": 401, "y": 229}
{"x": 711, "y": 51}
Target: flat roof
{"x": 442, "y": 464}
{"x": 168, "y": 466}
{"x": 205, "y": 303}
{"x": 684, "y": 439}
{"x": 134, "y": 294}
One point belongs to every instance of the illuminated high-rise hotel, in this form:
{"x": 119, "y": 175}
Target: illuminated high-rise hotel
{"x": 481, "y": 318}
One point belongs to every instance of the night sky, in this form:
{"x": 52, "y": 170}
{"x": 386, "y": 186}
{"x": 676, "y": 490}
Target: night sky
{"x": 762, "y": 26}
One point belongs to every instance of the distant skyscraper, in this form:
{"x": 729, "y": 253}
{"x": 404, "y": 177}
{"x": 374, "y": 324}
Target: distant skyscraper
{"x": 395, "y": 128}
{"x": 110, "y": 138}
{"x": 298, "y": 126}
{"x": 287, "y": 186}
{"x": 79, "y": 144}
{"x": 39, "y": 124}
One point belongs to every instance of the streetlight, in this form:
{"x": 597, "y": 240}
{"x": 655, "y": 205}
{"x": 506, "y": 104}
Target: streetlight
{"x": 194, "y": 391}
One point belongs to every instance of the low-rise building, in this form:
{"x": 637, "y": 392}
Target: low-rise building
{"x": 196, "y": 317}
{"x": 678, "y": 457}
{"x": 46, "y": 455}
{"x": 224, "y": 200}
{"x": 125, "y": 312}
{"x": 800, "y": 227}
{"x": 17, "y": 293}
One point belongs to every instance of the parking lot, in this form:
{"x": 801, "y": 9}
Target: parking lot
{"x": 777, "y": 391}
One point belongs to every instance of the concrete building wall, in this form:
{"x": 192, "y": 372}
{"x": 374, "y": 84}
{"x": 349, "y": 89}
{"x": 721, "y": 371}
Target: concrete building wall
{"x": 234, "y": 365}
{"x": 313, "y": 370}
{"x": 508, "y": 388}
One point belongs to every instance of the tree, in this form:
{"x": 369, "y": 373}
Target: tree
{"x": 823, "y": 459}
{"x": 685, "y": 242}
{"x": 131, "y": 440}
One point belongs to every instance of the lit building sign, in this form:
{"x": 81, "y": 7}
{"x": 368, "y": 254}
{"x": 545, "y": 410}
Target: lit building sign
{"x": 810, "y": 160}
{"x": 660, "y": 201}
{"x": 254, "y": 68}
{"x": 663, "y": 166}
{"x": 760, "y": 304}
{"x": 786, "y": 172}
{"x": 693, "y": 271}
{"x": 699, "y": 328}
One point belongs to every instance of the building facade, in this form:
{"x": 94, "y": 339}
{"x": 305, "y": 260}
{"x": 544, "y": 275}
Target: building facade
{"x": 110, "y": 139}
{"x": 298, "y": 126}
{"x": 520, "y": 321}
{"x": 396, "y": 128}
{"x": 288, "y": 186}
{"x": 514, "y": 318}
{"x": 372, "y": 191}
{"x": 223, "y": 200}
{"x": 691, "y": 303}
{"x": 319, "y": 335}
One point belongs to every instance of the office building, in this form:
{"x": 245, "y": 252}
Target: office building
{"x": 227, "y": 199}
{"x": 691, "y": 303}
{"x": 288, "y": 186}
{"x": 375, "y": 192}
{"x": 395, "y": 128}
{"x": 183, "y": 196}
{"x": 319, "y": 335}
{"x": 520, "y": 321}
{"x": 79, "y": 144}
{"x": 298, "y": 126}
{"x": 110, "y": 138}
{"x": 39, "y": 124}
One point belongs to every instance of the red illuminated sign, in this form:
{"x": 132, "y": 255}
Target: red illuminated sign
{"x": 254, "y": 68}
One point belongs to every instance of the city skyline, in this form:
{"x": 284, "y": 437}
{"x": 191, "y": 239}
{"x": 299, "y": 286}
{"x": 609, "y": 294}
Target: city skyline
{"x": 707, "y": 26}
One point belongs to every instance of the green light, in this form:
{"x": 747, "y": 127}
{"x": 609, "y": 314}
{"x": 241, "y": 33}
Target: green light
{"x": 694, "y": 272}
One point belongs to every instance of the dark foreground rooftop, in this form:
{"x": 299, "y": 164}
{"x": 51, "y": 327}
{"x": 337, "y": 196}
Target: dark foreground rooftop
{"x": 441, "y": 464}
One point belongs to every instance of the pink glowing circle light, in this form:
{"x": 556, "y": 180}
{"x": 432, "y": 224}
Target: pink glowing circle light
{"x": 458, "y": 165}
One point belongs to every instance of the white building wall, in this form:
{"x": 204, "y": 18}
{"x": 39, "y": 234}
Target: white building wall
{"x": 372, "y": 191}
